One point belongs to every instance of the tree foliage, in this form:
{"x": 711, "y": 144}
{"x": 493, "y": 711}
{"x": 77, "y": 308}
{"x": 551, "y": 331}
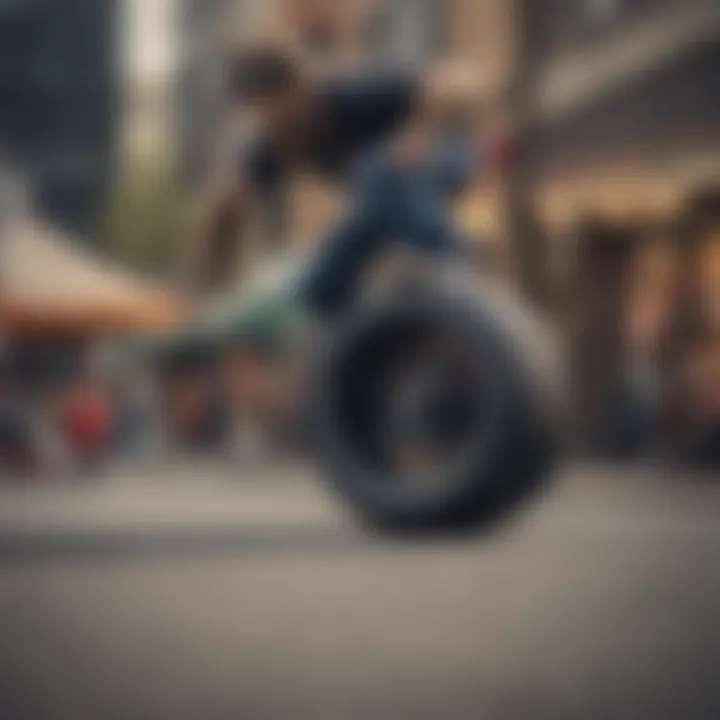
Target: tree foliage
{"x": 145, "y": 223}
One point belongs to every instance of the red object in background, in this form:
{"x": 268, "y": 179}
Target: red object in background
{"x": 88, "y": 420}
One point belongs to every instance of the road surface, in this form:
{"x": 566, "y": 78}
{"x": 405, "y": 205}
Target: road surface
{"x": 201, "y": 596}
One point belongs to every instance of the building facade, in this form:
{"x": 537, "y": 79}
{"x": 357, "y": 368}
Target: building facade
{"x": 625, "y": 92}
{"x": 59, "y": 102}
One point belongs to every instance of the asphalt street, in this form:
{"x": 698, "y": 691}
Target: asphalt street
{"x": 196, "y": 593}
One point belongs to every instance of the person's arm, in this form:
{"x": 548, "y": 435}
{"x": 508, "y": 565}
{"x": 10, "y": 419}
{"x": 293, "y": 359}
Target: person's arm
{"x": 454, "y": 95}
{"x": 212, "y": 253}
{"x": 448, "y": 100}
{"x": 228, "y": 211}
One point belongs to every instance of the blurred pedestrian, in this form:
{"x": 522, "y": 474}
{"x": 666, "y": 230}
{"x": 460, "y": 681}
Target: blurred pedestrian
{"x": 16, "y": 446}
{"x": 699, "y": 437}
{"x": 88, "y": 421}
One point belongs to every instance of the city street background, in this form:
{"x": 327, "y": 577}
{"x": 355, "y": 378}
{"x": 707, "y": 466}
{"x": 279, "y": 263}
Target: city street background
{"x": 201, "y": 585}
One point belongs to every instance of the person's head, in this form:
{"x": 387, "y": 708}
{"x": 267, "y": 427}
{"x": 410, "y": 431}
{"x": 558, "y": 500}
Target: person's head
{"x": 268, "y": 80}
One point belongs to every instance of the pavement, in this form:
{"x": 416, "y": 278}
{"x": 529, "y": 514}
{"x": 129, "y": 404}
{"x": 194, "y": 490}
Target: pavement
{"x": 190, "y": 591}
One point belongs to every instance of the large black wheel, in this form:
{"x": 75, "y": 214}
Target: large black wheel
{"x": 438, "y": 410}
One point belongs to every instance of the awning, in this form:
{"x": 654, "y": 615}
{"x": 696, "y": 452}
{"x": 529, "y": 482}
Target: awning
{"x": 51, "y": 284}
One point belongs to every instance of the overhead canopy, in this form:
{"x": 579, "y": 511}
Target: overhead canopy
{"x": 51, "y": 284}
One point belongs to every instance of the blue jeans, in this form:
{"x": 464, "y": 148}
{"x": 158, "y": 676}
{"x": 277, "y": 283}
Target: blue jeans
{"x": 390, "y": 204}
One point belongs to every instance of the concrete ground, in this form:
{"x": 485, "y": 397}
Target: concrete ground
{"x": 193, "y": 593}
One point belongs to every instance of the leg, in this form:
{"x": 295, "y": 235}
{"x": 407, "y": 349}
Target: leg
{"x": 391, "y": 203}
